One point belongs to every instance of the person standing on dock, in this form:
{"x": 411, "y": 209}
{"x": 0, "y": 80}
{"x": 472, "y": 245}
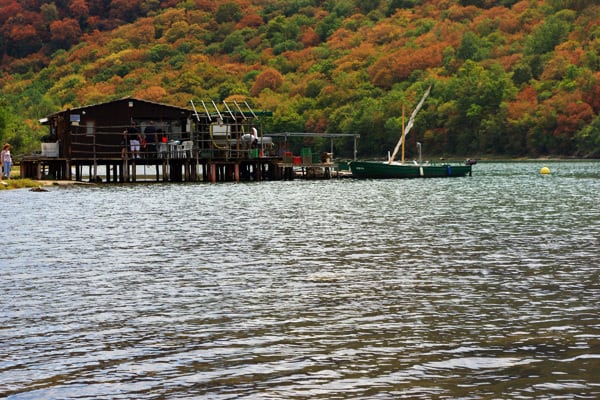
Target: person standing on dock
{"x": 254, "y": 138}
{"x": 134, "y": 141}
{"x": 6, "y": 161}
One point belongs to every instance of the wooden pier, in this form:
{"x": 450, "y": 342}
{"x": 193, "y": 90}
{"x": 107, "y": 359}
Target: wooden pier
{"x": 114, "y": 170}
{"x": 133, "y": 140}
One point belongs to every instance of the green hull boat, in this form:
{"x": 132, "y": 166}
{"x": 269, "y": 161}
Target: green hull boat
{"x": 392, "y": 170}
{"x": 382, "y": 170}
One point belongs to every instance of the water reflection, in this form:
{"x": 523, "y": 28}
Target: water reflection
{"x": 464, "y": 288}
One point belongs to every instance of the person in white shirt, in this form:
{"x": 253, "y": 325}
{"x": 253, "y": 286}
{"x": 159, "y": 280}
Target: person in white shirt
{"x": 254, "y": 137}
{"x": 6, "y": 161}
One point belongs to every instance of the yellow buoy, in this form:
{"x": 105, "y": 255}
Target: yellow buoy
{"x": 545, "y": 171}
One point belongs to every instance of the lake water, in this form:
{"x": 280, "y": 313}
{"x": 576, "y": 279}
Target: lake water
{"x": 478, "y": 287}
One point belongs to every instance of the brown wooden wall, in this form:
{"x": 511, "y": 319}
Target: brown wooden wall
{"x": 108, "y": 121}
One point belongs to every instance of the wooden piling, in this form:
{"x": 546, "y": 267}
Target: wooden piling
{"x": 213, "y": 173}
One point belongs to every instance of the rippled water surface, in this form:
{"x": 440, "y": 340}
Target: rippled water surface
{"x": 479, "y": 287}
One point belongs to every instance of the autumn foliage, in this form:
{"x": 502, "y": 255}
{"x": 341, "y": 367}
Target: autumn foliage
{"x": 268, "y": 79}
{"x": 511, "y": 77}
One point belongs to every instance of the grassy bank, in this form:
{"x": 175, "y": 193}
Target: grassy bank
{"x": 7, "y": 184}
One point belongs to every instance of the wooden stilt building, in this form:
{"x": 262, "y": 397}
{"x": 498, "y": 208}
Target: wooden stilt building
{"x": 133, "y": 140}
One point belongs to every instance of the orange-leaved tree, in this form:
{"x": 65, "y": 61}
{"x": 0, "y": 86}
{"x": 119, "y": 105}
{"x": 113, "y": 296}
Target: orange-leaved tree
{"x": 269, "y": 78}
{"x": 65, "y": 32}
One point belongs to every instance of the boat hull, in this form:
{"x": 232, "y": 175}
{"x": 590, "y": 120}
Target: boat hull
{"x": 380, "y": 170}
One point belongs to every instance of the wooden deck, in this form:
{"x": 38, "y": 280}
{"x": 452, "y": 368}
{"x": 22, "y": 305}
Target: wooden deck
{"x": 172, "y": 169}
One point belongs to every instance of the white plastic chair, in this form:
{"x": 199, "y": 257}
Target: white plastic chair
{"x": 186, "y": 148}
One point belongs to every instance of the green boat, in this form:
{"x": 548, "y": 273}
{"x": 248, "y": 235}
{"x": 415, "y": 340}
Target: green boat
{"x": 391, "y": 169}
{"x": 384, "y": 170}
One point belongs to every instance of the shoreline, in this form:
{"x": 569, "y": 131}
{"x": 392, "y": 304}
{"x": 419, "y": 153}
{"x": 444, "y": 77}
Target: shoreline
{"x": 40, "y": 185}
{"x": 36, "y": 185}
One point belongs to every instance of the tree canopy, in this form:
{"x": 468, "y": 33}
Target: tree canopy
{"x": 510, "y": 78}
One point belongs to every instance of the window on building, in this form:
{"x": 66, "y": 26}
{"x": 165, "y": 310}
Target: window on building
{"x": 89, "y": 128}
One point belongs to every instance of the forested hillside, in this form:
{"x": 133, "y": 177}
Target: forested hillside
{"x": 510, "y": 78}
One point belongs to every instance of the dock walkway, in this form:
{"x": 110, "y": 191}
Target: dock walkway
{"x": 172, "y": 169}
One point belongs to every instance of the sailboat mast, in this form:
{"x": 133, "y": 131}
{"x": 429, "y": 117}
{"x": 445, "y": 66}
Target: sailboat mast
{"x": 411, "y": 121}
{"x": 403, "y": 134}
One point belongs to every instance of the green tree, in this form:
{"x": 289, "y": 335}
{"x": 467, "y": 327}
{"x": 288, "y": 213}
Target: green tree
{"x": 471, "y": 104}
{"x": 3, "y": 123}
{"x": 234, "y": 42}
{"x": 472, "y": 47}
{"x": 228, "y": 12}
{"x": 521, "y": 73}
{"x": 287, "y": 120}
{"x": 546, "y": 36}
{"x": 327, "y": 26}
{"x": 281, "y": 30}
{"x": 588, "y": 140}
{"x": 160, "y": 52}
